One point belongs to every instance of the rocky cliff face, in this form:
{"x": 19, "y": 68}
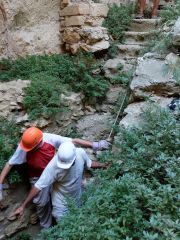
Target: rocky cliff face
{"x": 41, "y": 27}
{"x": 29, "y": 27}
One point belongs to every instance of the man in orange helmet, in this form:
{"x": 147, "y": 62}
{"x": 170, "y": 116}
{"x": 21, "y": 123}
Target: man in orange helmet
{"x": 37, "y": 149}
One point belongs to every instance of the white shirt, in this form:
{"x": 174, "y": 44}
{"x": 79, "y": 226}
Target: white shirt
{"x": 19, "y": 155}
{"x": 66, "y": 183}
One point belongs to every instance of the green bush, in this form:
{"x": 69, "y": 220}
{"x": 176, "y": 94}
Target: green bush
{"x": 52, "y": 75}
{"x": 123, "y": 77}
{"x": 137, "y": 199}
{"x": 9, "y": 137}
{"x": 170, "y": 12}
{"x": 160, "y": 43}
{"x": 118, "y": 20}
{"x": 22, "y": 236}
{"x": 113, "y": 50}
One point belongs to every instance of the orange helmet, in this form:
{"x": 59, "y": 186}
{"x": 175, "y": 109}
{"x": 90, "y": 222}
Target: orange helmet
{"x": 31, "y": 138}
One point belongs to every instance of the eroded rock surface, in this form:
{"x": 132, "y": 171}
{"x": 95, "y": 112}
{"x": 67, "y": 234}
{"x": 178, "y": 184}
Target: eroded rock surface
{"x": 154, "y": 77}
{"x": 29, "y": 27}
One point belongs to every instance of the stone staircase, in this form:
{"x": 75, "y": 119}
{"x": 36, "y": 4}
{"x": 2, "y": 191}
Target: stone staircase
{"x": 140, "y": 31}
{"x": 137, "y": 36}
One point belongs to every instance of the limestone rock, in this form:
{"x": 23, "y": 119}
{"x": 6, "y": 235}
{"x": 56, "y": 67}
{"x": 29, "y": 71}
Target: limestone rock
{"x": 40, "y": 39}
{"x": 70, "y": 36}
{"x": 113, "y": 94}
{"x": 112, "y": 98}
{"x": 29, "y": 27}
{"x": 112, "y": 67}
{"x": 64, "y": 3}
{"x": 153, "y": 76}
{"x": 134, "y": 111}
{"x": 22, "y": 119}
{"x": 99, "y": 46}
{"x": 2, "y": 217}
{"x": 75, "y": 9}
{"x": 94, "y": 34}
{"x": 176, "y": 33}
{"x": 98, "y": 10}
{"x": 16, "y": 226}
{"x": 2, "y": 237}
{"x": 75, "y": 21}
{"x": 95, "y": 126}
{"x": 73, "y": 102}
{"x": 10, "y": 93}
{"x": 94, "y": 21}
{"x": 172, "y": 59}
{"x": 41, "y": 122}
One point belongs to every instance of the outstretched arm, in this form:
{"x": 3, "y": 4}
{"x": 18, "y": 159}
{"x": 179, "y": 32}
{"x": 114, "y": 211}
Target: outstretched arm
{"x": 96, "y": 164}
{"x": 33, "y": 192}
{"x": 83, "y": 143}
{"x": 96, "y": 146}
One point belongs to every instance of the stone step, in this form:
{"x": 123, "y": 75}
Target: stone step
{"x": 133, "y": 42}
{"x": 139, "y": 38}
{"x": 144, "y": 25}
{"x": 129, "y": 50}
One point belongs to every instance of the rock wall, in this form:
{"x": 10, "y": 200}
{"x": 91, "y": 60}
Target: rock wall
{"x": 81, "y": 26}
{"x": 29, "y": 27}
{"x": 41, "y": 27}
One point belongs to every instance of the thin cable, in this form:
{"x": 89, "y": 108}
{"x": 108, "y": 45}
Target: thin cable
{"x": 117, "y": 115}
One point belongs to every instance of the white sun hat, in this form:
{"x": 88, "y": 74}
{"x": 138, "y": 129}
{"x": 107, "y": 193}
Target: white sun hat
{"x": 66, "y": 155}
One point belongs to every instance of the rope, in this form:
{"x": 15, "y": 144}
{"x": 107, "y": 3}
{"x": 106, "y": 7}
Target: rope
{"x": 109, "y": 137}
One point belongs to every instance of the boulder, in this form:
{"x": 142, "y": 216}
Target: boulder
{"x": 99, "y": 46}
{"x": 11, "y": 96}
{"x": 112, "y": 98}
{"x": 95, "y": 126}
{"x": 17, "y": 225}
{"x": 93, "y": 34}
{"x": 112, "y": 67}
{"x": 176, "y": 33}
{"x": 154, "y": 76}
{"x": 134, "y": 111}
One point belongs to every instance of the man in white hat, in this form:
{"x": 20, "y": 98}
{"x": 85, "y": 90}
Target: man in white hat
{"x": 65, "y": 172}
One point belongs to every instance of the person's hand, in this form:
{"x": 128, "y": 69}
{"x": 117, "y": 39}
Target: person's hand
{"x": 101, "y": 145}
{"x": 19, "y": 211}
{"x": 1, "y": 192}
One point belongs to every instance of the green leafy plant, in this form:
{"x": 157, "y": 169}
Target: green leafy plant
{"x": 118, "y": 20}
{"x": 113, "y": 50}
{"x": 22, "y": 236}
{"x": 137, "y": 197}
{"x": 52, "y": 75}
{"x": 159, "y": 42}
{"x": 123, "y": 77}
{"x": 174, "y": 69}
{"x": 170, "y": 12}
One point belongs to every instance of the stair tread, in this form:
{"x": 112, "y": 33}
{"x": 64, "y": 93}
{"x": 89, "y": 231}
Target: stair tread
{"x": 132, "y": 33}
{"x": 145, "y": 20}
{"x": 131, "y": 46}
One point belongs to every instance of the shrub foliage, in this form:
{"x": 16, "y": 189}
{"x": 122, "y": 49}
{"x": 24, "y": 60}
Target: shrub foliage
{"x": 118, "y": 20}
{"x": 170, "y": 12}
{"x": 137, "y": 199}
{"x": 52, "y": 75}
